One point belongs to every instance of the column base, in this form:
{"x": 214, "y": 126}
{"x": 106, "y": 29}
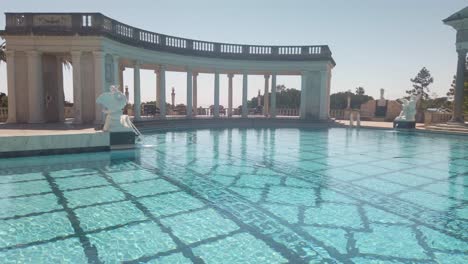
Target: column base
{"x": 404, "y": 124}
{"x": 456, "y": 121}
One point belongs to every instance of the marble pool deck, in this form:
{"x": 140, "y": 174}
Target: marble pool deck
{"x": 44, "y": 139}
{"x": 40, "y": 139}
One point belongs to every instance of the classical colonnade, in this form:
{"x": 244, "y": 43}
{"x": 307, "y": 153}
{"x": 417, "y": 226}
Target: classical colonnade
{"x": 100, "y": 48}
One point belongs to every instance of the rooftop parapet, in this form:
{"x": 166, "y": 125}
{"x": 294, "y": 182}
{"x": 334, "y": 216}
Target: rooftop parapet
{"x": 97, "y": 24}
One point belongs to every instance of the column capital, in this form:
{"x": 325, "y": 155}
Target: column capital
{"x": 98, "y": 54}
{"x": 230, "y": 75}
{"x": 136, "y": 63}
{"x": 115, "y": 56}
{"x": 195, "y": 74}
{"x": 267, "y": 76}
{"x": 33, "y": 53}
{"x": 75, "y": 53}
{"x": 10, "y": 53}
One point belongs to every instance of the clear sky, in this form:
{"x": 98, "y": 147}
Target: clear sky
{"x": 375, "y": 43}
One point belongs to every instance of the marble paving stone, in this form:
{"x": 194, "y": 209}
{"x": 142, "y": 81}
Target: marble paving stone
{"x": 80, "y": 182}
{"x": 240, "y": 248}
{"x": 332, "y": 237}
{"x": 71, "y": 172}
{"x": 102, "y": 216}
{"x": 92, "y": 196}
{"x": 131, "y": 242}
{"x": 224, "y": 180}
{"x": 438, "y": 240}
{"x": 24, "y": 188}
{"x": 428, "y": 200}
{"x": 149, "y": 187}
{"x": 25, "y": 205}
{"x": 292, "y": 196}
{"x": 177, "y": 258}
{"x": 380, "y": 186}
{"x": 391, "y": 241}
{"x": 199, "y": 225}
{"x": 62, "y": 251}
{"x": 376, "y": 215}
{"x": 255, "y": 181}
{"x": 334, "y": 215}
{"x": 405, "y": 179}
{"x": 34, "y": 228}
{"x": 171, "y": 203}
{"x": 286, "y": 212}
{"x": 130, "y": 176}
{"x": 21, "y": 177}
{"x": 342, "y": 174}
{"x": 254, "y": 195}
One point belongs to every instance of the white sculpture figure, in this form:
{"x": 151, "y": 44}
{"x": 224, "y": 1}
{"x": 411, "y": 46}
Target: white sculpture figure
{"x": 408, "y": 113}
{"x": 114, "y": 102}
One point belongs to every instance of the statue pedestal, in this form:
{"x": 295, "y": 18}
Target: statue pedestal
{"x": 122, "y": 140}
{"x": 404, "y": 124}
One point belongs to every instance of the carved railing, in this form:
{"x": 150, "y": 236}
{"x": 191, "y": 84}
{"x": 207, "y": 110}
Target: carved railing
{"x": 431, "y": 117}
{"x": 338, "y": 114}
{"x": 287, "y": 112}
{"x": 98, "y": 24}
{"x": 3, "y": 114}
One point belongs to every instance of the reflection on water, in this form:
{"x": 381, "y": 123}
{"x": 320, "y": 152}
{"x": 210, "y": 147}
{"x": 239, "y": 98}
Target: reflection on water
{"x": 243, "y": 196}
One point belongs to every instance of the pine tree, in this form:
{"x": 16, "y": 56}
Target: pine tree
{"x": 421, "y": 83}
{"x": 360, "y": 90}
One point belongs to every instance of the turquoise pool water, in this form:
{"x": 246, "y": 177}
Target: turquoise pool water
{"x": 242, "y": 196}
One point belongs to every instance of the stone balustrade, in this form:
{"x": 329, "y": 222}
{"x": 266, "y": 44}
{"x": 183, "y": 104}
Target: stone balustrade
{"x": 3, "y": 114}
{"x": 431, "y": 117}
{"x": 93, "y": 24}
{"x": 338, "y": 114}
{"x": 288, "y": 111}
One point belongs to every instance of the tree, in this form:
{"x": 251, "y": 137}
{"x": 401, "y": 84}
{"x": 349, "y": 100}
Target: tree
{"x": 451, "y": 91}
{"x": 421, "y": 83}
{"x": 360, "y": 90}
{"x": 339, "y": 100}
{"x": 2, "y": 52}
{"x": 3, "y": 100}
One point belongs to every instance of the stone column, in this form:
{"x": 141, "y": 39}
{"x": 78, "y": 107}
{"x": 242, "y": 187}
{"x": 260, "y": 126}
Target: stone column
{"x": 457, "y": 116}
{"x": 302, "y": 108}
{"x": 266, "y": 96}
{"x": 121, "y": 79}
{"x": 99, "y": 80}
{"x": 162, "y": 91}
{"x": 158, "y": 90}
{"x": 136, "y": 91}
{"x": 216, "y": 95}
{"x": 189, "y": 93}
{"x": 273, "y": 96}
{"x": 77, "y": 89}
{"x": 35, "y": 87}
{"x": 195, "y": 93}
{"x": 11, "y": 75}
{"x": 116, "y": 67}
{"x": 245, "y": 110}
{"x": 229, "y": 112}
{"x": 324, "y": 111}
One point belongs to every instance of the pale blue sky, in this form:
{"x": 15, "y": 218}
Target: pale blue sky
{"x": 375, "y": 43}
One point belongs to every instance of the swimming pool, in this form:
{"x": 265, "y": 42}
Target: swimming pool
{"x": 243, "y": 196}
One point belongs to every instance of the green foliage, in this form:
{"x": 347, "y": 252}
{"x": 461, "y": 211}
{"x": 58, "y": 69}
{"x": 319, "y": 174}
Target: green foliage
{"x": 2, "y": 52}
{"x": 360, "y": 90}
{"x": 3, "y": 100}
{"x": 441, "y": 102}
{"x": 421, "y": 83}
{"x": 340, "y": 100}
{"x": 285, "y": 98}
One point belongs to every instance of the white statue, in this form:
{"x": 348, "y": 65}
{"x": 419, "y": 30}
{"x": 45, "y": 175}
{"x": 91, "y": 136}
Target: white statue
{"x": 114, "y": 102}
{"x": 408, "y": 113}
